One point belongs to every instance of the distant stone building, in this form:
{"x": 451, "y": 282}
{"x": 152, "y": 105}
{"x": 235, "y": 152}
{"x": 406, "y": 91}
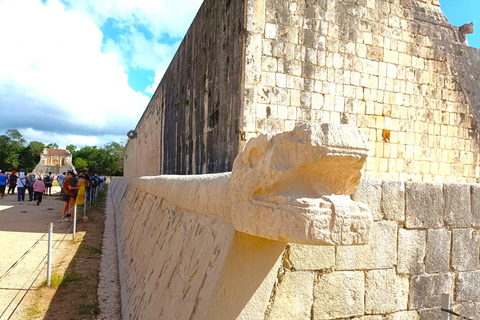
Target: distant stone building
{"x": 54, "y": 161}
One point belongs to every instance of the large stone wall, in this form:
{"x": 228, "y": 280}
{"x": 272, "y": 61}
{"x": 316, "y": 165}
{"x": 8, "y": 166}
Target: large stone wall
{"x": 192, "y": 123}
{"x": 397, "y": 69}
{"x": 181, "y": 265}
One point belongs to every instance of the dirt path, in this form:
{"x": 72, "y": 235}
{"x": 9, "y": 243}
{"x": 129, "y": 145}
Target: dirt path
{"x": 24, "y": 227}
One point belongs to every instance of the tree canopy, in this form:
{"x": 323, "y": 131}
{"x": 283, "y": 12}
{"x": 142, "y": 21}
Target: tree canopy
{"x": 16, "y": 154}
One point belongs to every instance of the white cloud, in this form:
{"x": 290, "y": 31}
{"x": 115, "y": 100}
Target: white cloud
{"x": 158, "y": 77}
{"x": 159, "y": 17}
{"x": 64, "y": 140}
{"x": 54, "y": 76}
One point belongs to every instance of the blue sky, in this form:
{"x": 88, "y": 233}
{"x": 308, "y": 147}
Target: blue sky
{"x": 82, "y": 71}
{"x": 460, "y": 12}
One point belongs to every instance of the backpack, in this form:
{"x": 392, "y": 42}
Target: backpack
{"x": 48, "y": 179}
{"x": 30, "y": 182}
{"x": 13, "y": 179}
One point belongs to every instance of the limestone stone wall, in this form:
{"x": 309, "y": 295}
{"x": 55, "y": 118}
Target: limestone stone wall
{"x": 191, "y": 124}
{"x": 170, "y": 259}
{"x": 181, "y": 265}
{"x": 396, "y": 69}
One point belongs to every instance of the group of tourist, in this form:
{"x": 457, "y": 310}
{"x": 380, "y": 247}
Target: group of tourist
{"x": 36, "y": 186}
{"x": 72, "y": 188}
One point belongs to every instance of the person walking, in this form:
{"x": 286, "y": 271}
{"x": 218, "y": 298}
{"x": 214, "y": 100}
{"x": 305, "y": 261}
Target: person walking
{"x": 21, "y": 185}
{"x": 38, "y": 188}
{"x": 12, "y": 182}
{"x": 30, "y": 182}
{"x": 48, "y": 183}
{"x": 3, "y": 183}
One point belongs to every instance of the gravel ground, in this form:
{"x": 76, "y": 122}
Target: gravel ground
{"x": 109, "y": 284}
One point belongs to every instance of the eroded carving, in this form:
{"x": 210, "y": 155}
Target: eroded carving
{"x": 295, "y": 186}
{"x": 467, "y": 28}
{"x": 291, "y": 187}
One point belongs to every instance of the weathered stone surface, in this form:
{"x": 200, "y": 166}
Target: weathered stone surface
{"x": 393, "y": 200}
{"x": 476, "y": 204}
{"x": 469, "y": 310}
{"x": 424, "y": 205}
{"x": 385, "y": 292}
{"x": 411, "y": 251}
{"x": 465, "y": 250}
{"x": 458, "y": 207}
{"x": 304, "y": 257}
{"x": 339, "y": 295}
{"x": 380, "y": 252}
{"x": 431, "y": 314}
{"x": 369, "y": 192}
{"x": 468, "y": 286}
{"x": 271, "y": 197}
{"x": 426, "y": 290}
{"x": 402, "y": 315}
{"x": 438, "y": 250}
{"x": 294, "y": 297}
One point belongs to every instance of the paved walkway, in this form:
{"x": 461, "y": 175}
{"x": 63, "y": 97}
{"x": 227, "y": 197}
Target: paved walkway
{"x": 24, "y": 225}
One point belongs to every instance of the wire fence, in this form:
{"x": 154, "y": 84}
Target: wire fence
{"x": 89, "y": 200}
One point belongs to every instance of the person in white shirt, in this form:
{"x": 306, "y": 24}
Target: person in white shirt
{"x": 60, "y": 179}
{"x": 21, "y": 185}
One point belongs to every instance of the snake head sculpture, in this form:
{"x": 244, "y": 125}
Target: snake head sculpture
{"x": 295, "y": 186}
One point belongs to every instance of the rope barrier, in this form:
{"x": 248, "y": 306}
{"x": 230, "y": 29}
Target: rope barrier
{"x": 58, "y": 242}
{"x": 21, "y": 258}
{"x": 455, "y": 314}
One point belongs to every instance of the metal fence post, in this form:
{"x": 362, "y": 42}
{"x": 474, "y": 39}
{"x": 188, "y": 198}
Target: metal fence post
{"x": 74, "y": 219}
{"x": 445, "y": 306}
{"x": 49, "y": 261}
{"x": 85, "y": 204}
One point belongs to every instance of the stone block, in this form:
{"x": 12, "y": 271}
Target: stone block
{"x": 468, "y": 286}
{"x": 339, "y": 295}
{"x": 476, "y": 204}
{"x": 424, "y": 205}
{"x": 411, "y": 251}
{"x": 385, "y": 292}
{"x": 369, "y": 192}
{"x": 426, "y": 290}
{"x": 431, "y": 314}
{"x": 465, "y": 250}
{"x": 469, "y": 310}
{"x": 380, "y": 252}
{"x": 305, "y": 257}
{"x": 393, "y": 200}
{"x": 402, "y": 315}
{"x": 294, "y": 297}
{"x": 438, "y": 250}
{"x": 458, "y": 206}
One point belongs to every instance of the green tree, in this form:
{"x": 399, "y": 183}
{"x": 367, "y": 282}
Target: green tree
{"x": 30, "y": 155}
{"x": 11, "y": 145}
{"x": 81, "y": 165}
{"x": 52, "y": 145}
{"x": 71, "y": 148}
{"x": 107, "y": 160}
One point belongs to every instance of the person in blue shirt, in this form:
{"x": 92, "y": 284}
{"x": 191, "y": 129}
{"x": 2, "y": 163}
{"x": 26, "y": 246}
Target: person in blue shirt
{"x": 3, "y": 183}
